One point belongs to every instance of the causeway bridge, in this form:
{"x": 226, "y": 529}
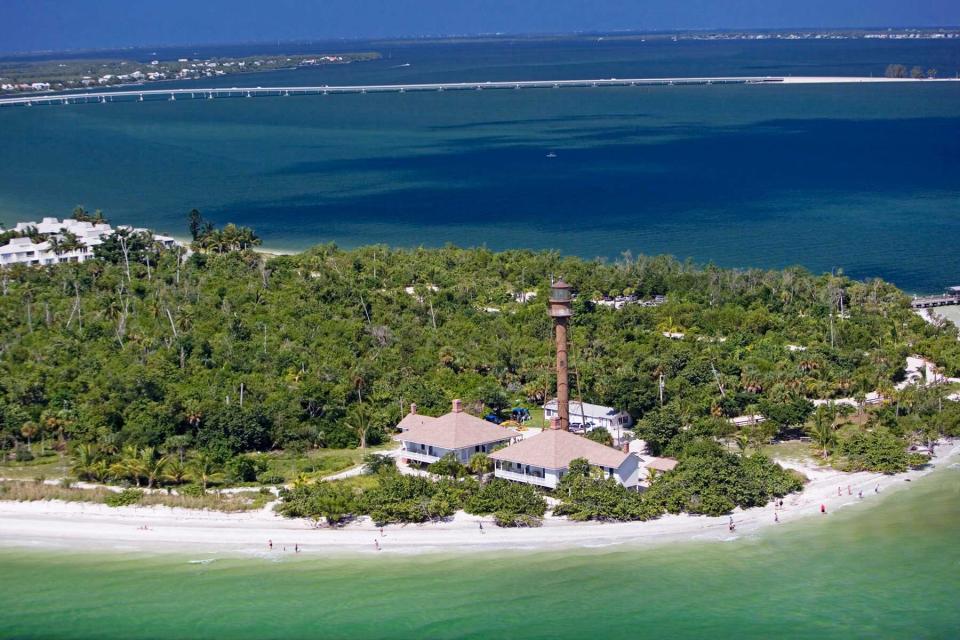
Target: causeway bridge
{"x": 210, "y": 93}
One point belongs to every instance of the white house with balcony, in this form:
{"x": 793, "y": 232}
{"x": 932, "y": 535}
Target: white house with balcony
{"x": 24, "y": 251}
{"x": 543, "y": 459}
{"x": 427, "y": 439}
{"x": 585, "y": 413}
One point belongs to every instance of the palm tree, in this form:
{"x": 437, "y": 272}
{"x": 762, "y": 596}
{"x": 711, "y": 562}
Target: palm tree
{"x": 358, "y": 423}
{"x": 821, "y": 431}
{"x": 204, "y": 470}
{"x": 176, "y": 472}
{"x": 480, "y": 463}
{"x": 29, "y": 430}
{"x": 153, "y": 465}
{"x": 743, "y": 442}
{"x": 130, "y": 465}
{"x": 86, "y": 462}
{"x": 70, "y": 242}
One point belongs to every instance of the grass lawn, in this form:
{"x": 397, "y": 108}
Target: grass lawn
{"x": 319, "y": 463}
{"x": 47, "y": 465}
{"x": 790, "y": 450}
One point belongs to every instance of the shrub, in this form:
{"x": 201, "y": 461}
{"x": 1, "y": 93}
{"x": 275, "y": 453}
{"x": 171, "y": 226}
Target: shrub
{"x": 510, "y": 519}
{"x": 504, "y": 496}
{"x": 245, "y": 468}
{"x": 124, "y": 498}
{"x": 712, "y": 481}
{"x": 600, "y": 435}
{"x": 191, "y": 490}
{"x": 448, "y": 465}
{"x": 591, "y": 498}
{"x": 877, "y": 450}
{"x": 270, "y": 478}
{"x": 375, "y": 463}
{"x": 917, "y": 460}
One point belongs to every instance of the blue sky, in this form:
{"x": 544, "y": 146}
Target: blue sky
{"x": 31, "y": 25}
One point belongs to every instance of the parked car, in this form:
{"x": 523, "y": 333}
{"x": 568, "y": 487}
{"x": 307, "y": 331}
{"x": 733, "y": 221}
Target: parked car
{"x": 520, "y": 414}
{"x": 492, "y": 417}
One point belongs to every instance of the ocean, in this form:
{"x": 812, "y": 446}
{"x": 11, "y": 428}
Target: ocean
{"x": 871, "y": 570}
{"x": 863, "y": 178}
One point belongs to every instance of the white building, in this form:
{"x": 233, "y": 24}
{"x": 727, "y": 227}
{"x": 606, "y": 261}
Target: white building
{"x": 585, "y": 413}
{"x": 89, "y": 235}
{"x": 543, "y": 459}
{"x": 750, "y": 420}
{"x": 427, "y": 439}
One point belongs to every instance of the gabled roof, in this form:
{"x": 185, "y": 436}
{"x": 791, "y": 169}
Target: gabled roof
{"x": 554, "y": 449}
{"x": 454, "y": 430}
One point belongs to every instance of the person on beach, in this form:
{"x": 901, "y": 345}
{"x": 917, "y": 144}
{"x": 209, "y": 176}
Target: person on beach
{"x": 823, "y": 508}
{"x": 839, "y": 491}
{"x": 849, "y": 491}
{"x": 860, "y": 495}
{"x": 376, "y": 545}
{"x": 776, "y": 517}
{"x": 781, "y": 503}
{"x": 381, "y": 532}
{"x": 270, "y": 544}
{"x": 296, "y": 547}
{"x": 481, "y": 525}
{"x": 876, "y": 489}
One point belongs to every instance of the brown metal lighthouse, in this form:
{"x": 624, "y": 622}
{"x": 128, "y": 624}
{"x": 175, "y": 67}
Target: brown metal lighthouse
{"x": 560, "y": 310}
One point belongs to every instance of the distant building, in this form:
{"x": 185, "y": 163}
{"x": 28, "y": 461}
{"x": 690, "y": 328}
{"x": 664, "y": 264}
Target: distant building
{"x": 586, "y": 414}
{"x": 25, "y": 251}
{"x": 544, "y": 459}
{"x": 743, "y": 421}
{"x": 427, "y": 439}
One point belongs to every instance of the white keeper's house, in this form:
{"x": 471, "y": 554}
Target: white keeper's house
{"x": 584, "y": 412}
{"x": 545, "y": 458}
{"x": 427, "y": 439}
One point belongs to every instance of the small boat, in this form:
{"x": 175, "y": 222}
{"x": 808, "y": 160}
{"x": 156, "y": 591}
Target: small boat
{"x": 551, "y": 155}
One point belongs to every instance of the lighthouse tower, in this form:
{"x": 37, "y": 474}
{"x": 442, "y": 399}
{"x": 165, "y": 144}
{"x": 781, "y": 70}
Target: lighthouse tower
{"x": 561, "y": 309}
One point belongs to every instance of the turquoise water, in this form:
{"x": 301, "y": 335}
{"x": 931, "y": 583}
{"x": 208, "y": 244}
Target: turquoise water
{"x": 864, "y": 178}
{"x": 883, "y": 571}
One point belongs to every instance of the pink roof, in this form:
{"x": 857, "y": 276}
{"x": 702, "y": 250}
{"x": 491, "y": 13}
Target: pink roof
{"x": 412, "y": 420}
{"x": 454, "y": 430}
{"x": 554, "y": 449}
{"x": 661, "y": 464}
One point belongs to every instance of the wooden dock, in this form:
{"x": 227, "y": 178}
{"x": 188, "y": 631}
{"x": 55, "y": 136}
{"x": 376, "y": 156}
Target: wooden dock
{"x": 926, "y": 302}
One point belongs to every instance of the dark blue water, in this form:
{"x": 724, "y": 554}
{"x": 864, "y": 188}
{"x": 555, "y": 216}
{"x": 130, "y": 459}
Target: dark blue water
{"x": 860, "y": 177}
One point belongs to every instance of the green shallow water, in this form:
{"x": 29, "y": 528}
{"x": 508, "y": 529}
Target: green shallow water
{"x": 885, "y": 571}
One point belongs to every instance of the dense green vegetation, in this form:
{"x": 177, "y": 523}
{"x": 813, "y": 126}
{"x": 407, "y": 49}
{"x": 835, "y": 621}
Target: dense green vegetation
{"x": 708, "y": 480}
{"x": 390, "y": 497}
{"x": 149, "y": 358}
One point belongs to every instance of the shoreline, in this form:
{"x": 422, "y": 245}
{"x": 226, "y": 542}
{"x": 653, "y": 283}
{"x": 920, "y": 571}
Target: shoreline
{"x": 88, "y": 527}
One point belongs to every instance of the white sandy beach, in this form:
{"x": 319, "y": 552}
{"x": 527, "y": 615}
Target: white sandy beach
{"x": 97, "y": 527}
